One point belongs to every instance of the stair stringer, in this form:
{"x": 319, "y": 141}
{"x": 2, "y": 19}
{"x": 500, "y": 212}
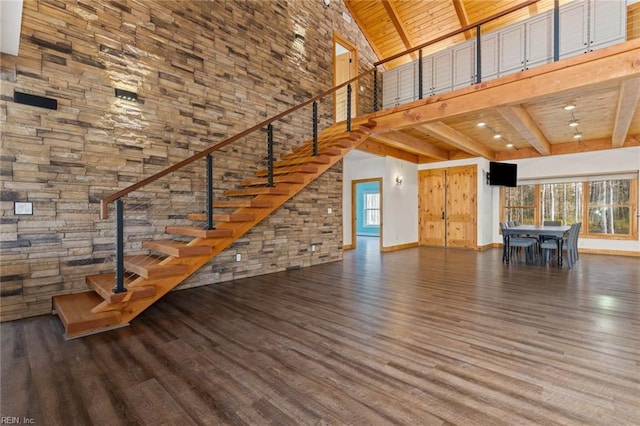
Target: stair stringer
{"x": 129, "y": 309}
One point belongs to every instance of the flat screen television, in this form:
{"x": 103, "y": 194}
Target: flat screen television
{"x": 503, "y": 174}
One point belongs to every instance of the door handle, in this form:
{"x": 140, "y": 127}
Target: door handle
{"x": 442, "y": 215}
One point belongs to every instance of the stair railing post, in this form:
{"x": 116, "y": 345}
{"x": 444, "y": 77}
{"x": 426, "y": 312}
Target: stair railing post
{"x": 349, "y": 107}
{"x": 210, "y": 225}
{"x": 315, "y": 128}
{"x": 375, "y": 89}
{"x": 119, "y": 213}
{"x": 420, "y": 92}
{"x": 478, "y": 56}
{"x": 270, "y": 155}
{"x": 556, "y": 30}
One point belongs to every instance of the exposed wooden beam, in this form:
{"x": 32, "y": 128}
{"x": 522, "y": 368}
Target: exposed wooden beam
{"x": 451, "y": 136}
{"x": 520, "y": 119}
{"x": 378, "y": 148}
{"x": 412, "y": 144}
{"x": 363, "y": 28}
{"x": 628, "y": 100}
{"x": 398, "y": 25}
{"x": 589, "y": 71}
{"x": 461, "y": 11}
{"x": 566, "y": 148}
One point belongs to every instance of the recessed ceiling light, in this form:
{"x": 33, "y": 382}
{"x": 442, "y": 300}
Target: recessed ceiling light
{"x": 577, "y": 136}
{"x": 481, "y": 124}
{"x": 509, "y": 145}
{"x": 569, "y": 107}
{"x": 573, "y": 123}
{"x": 497, "y": 136}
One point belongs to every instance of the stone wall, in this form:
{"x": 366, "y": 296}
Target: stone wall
{"x": 203, "y": 71}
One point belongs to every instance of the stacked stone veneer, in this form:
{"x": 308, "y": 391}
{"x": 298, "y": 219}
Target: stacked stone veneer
{"x": 203, "y": 71}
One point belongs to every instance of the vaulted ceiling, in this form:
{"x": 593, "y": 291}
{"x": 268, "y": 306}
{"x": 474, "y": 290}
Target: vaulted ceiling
{"x": 525, "y": 108}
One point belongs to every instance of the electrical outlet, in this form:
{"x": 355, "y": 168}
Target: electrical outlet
{"x": 238, "y": 257}
{"x": 23, "y": 207}
{"x": 313, "y": 247}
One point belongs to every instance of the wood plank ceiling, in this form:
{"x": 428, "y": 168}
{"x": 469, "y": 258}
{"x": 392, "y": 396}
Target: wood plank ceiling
{"x": 607, "y": 111}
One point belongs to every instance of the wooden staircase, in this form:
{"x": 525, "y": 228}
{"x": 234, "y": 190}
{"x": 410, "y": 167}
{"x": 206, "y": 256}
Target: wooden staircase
{"x": 170, "y": 262}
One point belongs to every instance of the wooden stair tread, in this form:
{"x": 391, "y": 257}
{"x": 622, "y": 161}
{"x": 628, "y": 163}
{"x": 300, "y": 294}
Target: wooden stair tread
{"x": 176, "y": 248}
{"x": 75, "y": 313}
{"x": 257, "y": 191}
{"x": 307, "y": 150}
{"x": 304, "y": 168}
{"x": 103, "y": 284}
{"x": 238, "y": 204}
{"x": 318, "y": 159}
{"x": 150, "y": 267}
{"x": 197, "y": 232}
{"x": 234, "y": 217}
{"x": 295, "y": 178}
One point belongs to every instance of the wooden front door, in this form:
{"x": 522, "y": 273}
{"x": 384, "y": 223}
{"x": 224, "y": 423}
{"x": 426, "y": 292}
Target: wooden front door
{"x": 448, "y": 207}
{"x": 431, "y": 203}
{"x": 461, "y": 206}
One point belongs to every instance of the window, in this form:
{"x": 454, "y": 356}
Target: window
{"x": 371, "y": 209}
{"x": 609, "y": 207}
{"x": 520, "y": 205}
{"x": 605, "y": 207}
{"x": 561, "y": 201}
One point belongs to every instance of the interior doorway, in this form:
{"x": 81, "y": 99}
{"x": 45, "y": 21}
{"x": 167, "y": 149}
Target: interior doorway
{"x": 366, "y": 211}
{"x": 345, "y": 67}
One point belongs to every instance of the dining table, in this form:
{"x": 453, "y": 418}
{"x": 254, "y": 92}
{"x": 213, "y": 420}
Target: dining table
{"x": 556, "y": 232}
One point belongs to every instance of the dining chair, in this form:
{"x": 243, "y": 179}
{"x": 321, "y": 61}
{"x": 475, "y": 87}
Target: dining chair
{"x": 550, "y": 246}
{"x": 571, "y": 244}
{"x": 549, "y": 223}
{"x": 516, "y": 244}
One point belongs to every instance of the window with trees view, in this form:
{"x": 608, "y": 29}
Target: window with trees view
{"x": 605, "y": 207}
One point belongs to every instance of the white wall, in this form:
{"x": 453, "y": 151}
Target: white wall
{"x": 10, "y": 23}
{"x": 399, "y": 203}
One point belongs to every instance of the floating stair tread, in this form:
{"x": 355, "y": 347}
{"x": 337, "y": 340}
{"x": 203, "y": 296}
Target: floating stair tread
{"x": 318, "y": 159}
{"x": 257, "y": 191}
{"x": 197, "y": 232}
{"x": 234, "y": 217}
{"x": 103, "y": 285}
{"x": 343, "y": 142}
{"x": 307, "y": 150}
{"x": 176, "y": 248}
{"x": 150, "y": 267}
{"x": 304, "y": 168}
{"x": 75, "y": 313}
{"x": 295, "y": 178}
{"x": 238, "y": 204}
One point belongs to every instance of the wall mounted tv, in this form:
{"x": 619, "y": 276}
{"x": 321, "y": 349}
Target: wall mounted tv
{"x": 503, "y": 174}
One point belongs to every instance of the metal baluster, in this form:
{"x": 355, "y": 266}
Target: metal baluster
{"x": 315, "y": 128}
{"x": 478, "y": 56}
{"x": 375, "y": 89}
{"x": 349, "y": 107}
{"x": 270, "y": 155}
{"x": 556, "y": 30}
{"x": 420, "y": 91}
{"x": 119, "y": 286}
{"x": 210, "y": 224}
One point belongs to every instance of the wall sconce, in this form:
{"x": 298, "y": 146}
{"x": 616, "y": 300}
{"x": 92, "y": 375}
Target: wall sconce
{"x": 399, "y": 180}
{"x": 126, "y": 95}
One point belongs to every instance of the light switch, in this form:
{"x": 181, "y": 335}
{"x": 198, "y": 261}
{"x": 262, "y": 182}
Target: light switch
{"x": 329, "y": 210}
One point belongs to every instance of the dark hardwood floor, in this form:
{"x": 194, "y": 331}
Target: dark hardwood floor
{"x": 419, "y": 336}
